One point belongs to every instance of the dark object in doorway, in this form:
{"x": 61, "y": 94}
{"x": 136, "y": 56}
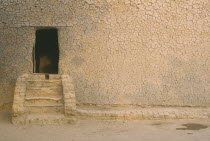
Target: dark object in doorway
{"x": 46, "y": 51}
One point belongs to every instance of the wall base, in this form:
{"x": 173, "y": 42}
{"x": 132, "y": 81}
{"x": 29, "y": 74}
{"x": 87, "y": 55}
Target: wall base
{"x": 47, "y": 119}
{"x": 6, "y": 107}
{"x": 137, "y": 113}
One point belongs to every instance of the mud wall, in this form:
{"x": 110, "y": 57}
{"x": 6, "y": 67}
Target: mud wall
{"x": 126, "y": 52}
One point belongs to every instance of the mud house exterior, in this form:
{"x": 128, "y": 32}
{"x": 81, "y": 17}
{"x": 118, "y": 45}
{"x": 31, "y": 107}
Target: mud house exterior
{"x": 118, "y": 53}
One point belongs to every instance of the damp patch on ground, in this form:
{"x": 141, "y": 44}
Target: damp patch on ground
{"x": 156, "y": 124}
{"x": 192, "y": 126}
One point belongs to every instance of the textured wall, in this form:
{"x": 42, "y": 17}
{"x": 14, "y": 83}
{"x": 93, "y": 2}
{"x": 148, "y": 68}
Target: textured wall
{"x": 16, "y": 46}
{"x": 144, "y": 52}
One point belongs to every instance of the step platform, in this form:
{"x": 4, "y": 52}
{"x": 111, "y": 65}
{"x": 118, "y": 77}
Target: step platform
{"x": 44, "y": 101}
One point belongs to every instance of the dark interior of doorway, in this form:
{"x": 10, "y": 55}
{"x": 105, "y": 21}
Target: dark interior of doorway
{"x": 46, "y": 53}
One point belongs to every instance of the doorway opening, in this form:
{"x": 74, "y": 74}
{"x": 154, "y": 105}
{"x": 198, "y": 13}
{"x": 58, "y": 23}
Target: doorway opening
{"x": 46, "y": 54}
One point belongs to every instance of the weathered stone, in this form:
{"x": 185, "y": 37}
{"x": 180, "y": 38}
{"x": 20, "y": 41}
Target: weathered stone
{"x": 43, "y": 104}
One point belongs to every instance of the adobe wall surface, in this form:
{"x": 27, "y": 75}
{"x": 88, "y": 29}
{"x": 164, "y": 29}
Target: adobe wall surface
{"x": 126, "y": 52}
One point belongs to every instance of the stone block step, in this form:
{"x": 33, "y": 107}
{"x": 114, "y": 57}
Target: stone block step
{"x": 36, "y": 94}
{"x": 32, "y": 110}
{"x": 44, "y": 88}
{"x": 48, "y": 119}
{"x": 38, "y": 84}
{"x": 43, "y": 105}
{"x": 50, "y": 97}
{"x": 42, "y": 101}
{"x": 42, "y": 77}
{"x": 44, "y": 91}
{"x": 37, "y": 80}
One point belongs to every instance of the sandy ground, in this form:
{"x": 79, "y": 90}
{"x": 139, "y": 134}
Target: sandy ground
{"x": 91, "y": 130}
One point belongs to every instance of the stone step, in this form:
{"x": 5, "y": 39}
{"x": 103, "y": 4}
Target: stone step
{"x": 44, "y": 88}
{"x": 50, "y": 97}
{"x": 43, "y": 105}
{"x": 48, "y": 119}
{"x": 44, "y": 91}
{"x": 44, "y": 83}
{"x": 37, "y": 80}
{"x": 42, "y": 77}
{"x": 32, "y": 110}
{"x": 43, "y": 101}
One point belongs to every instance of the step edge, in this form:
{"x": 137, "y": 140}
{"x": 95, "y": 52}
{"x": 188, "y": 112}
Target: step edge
{"x": 42, "y": 98}
{"x": 41, "y": 88}
{"x": 44, "y": 105}
{"x": 49, "y": 81}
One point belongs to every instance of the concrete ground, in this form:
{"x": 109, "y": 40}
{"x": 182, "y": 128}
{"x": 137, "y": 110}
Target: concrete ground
{"x": 92, "y": 130}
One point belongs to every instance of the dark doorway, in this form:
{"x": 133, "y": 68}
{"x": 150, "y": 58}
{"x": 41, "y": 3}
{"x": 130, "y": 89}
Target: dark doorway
{"x": 46, "y": 53}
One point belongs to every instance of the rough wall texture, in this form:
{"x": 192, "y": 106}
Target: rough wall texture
{"x": 138, "y": 52}
{"x": 16, "y": 46}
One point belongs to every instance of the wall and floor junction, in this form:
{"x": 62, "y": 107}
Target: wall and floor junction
{"x": 118, "y": 52}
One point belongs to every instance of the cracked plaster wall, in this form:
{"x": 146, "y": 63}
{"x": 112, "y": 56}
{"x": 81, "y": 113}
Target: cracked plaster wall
{"x": 138, "y": 52}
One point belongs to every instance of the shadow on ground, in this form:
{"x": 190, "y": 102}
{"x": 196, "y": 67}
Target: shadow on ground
{"x": 192, "y": 126}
